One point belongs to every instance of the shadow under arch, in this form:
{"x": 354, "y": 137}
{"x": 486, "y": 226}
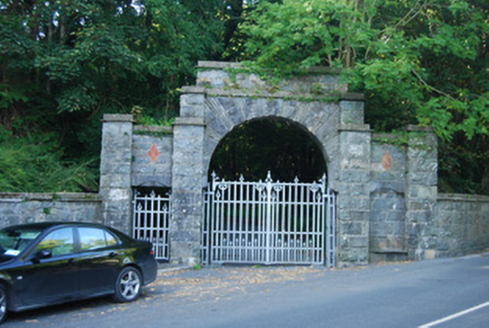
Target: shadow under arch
{"x": 275, "y": 144}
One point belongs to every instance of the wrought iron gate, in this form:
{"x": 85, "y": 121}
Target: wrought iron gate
{"x": 268, "y": 222}
{"x": 151, "y": 214}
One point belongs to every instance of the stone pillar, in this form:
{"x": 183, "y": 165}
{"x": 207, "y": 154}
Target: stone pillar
{"x": 188, "y": 178}
{"x": 352, "y": 111}
{"x": 421, "y": 192}
{"x": 115, "y": 171}
{"x": 353, "y": 195}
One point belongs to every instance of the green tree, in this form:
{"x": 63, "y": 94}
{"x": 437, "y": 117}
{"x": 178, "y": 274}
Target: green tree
{"x": 417, "y": 61}
{"x": 63, "y": 63}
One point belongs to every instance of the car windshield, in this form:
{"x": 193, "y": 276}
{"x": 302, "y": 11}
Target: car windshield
{"x": 14, "y": 240}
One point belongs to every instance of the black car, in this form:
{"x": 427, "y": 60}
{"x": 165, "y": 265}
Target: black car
{"x": 50, "y": 263}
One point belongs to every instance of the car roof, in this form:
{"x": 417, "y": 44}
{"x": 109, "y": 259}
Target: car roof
{"x": 47, "y": 225}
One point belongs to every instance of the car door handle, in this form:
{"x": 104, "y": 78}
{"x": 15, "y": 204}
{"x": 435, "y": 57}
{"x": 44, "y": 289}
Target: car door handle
{"x": 112, "y": 254}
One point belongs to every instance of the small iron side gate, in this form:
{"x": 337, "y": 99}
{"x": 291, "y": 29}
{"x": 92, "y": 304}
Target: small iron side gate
{"x": 151, "y": 214}
{"x": 268, "y": 222}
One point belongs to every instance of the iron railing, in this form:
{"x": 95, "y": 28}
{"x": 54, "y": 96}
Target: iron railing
{"x": 151, "y": 214}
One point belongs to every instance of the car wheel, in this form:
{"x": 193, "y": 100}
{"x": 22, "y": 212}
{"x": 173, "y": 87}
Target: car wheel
{"x": 3, "y": 303}
{"x": 128, "y": 285}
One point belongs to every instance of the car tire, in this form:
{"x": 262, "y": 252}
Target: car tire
{"x": 128, "y": 285}
{"x": 3, "y": 303}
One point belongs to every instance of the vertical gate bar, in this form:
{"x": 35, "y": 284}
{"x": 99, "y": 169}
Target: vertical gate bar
{"x": 224, "y": 226}
{"x": 227, "y": 220}
{"x": 260, "y": 229}
{"x": 225, "y": 236}
{"x": 301, "y": 228}
{"x": 312, "y": 242}
{"x": 218, "y": 239}
{"x": 246, "y": 218}
{"x": 234, "y": 199}
{"x": 142, "y": 223}
{"x": 322, "y": 223}
{"x": 308, "y": 222}
{"x": 292, "y": 243}
{"x": 210, "y": 220}
{"x": 163, "y": 224}
{"x": 160, "y": 221}
{"x": 159, "y": 218}
{"x": 289, "y": 221}
{"x": 333, "y": 229}
{"x": 252, "y": 220}
{"x": 282, "y": 208}
{"x": 147, "y": 217}
{"x": 268, "y": 218}
{"x": 273, "y": 224}
{"x": 154, "y": 217}
{"x": 161, "y": 234}
{"x": 328, "y": 227}
{"x": 240, "y": 222}
{"x": 222, "y": 208}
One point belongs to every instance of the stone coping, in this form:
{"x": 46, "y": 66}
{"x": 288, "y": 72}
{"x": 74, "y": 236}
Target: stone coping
{"x": 220, "y": 65}
{"x": 217, "y": 64}
{"x": 118, "y": 118}
{"x": 50, "y": 197}
{"x": 153, "y": 129}
{"x": 349, "y": 96}
{"x": 354, "y": 127}
{"x": 197, "y": 121}
{"x": 463, "y": 197}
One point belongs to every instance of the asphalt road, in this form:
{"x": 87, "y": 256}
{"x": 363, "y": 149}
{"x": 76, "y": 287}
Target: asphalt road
{"x": 441, "y": 293}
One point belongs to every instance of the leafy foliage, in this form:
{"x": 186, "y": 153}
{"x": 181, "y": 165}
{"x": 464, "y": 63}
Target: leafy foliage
{"x": 418, "y": 62}
{"x": 63, "y": 63}
{"x": 29, "y": 165}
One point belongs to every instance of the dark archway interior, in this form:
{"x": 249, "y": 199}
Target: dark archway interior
{"x": 276, "y": 145}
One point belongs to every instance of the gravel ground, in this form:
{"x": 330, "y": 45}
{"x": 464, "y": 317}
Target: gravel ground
{"x": 216, "y": 282}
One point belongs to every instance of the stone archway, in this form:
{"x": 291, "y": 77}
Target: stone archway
{"x": 223, "y": 100}
{"x": 284, "y": 216}
{"x": 386, "y": 193}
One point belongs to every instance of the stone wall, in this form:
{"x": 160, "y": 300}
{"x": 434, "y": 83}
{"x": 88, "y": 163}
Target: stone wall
{"x": 19, "y": 208}
{"x": 387, "y": 233}
{"x": 459, "y": 226}
{"x": 152, "y": 150}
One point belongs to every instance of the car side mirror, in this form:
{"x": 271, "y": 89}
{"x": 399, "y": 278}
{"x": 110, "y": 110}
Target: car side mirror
{"x": 43, "y": 254}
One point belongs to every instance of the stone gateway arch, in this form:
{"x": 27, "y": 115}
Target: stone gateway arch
{"x": 384, "y": 192}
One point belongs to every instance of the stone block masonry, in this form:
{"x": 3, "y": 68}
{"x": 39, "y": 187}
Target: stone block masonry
{"x": 115, "y": 171}
{"x": 20, "y": 208}
{"x": 459, "y": 225}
